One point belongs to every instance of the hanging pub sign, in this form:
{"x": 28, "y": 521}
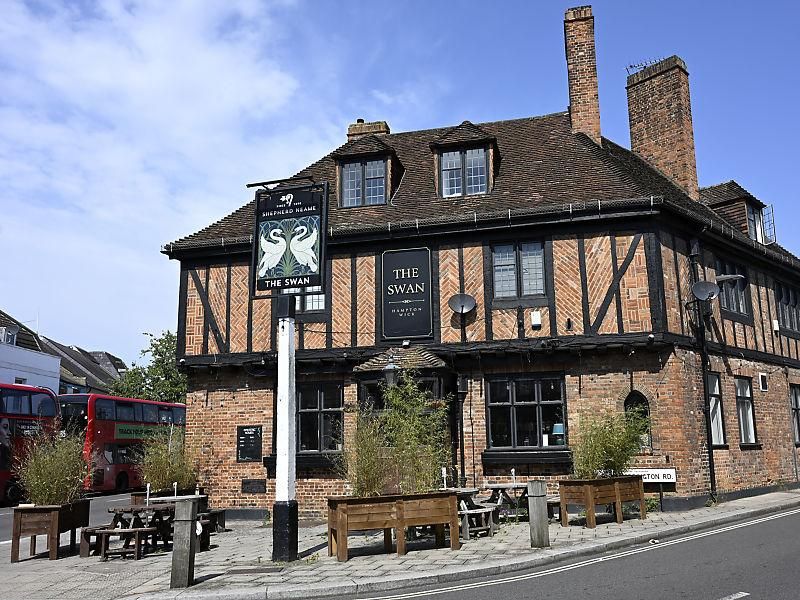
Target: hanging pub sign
{"x": 289, "y": 240}
{"x": 406, "y": 293}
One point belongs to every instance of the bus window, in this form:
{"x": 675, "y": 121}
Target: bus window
{"x": 138, "y": 412}
{"x": 149, "y": 413}
{"x": 42, "y": 405}
{"x": 165, "y": 415}
{"x": 104, "y": 409}
{"x": 108, "y": 453}
{"x": 125, "y": 411}
{"x": 16, "y": 402}
{"x": 73, "y": 416}
{"x": 180, "y": 416}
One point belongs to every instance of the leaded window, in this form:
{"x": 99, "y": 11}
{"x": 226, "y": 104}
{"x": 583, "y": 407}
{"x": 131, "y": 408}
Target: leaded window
{"x": 755, "y": 223}
{"x": 319, "y": 416}
{"x": 788, "y": 309}
{"x": 464, "y": 172}
{"x": 364, "y": 183}
{"x": 733, "y": 294}
{"x": 526, "y": 412}
{"x": 745, "y": 410}
{"x": 794, "y": 394}
{"x": 717, "y": 416}
{"x": 518, "y": 269}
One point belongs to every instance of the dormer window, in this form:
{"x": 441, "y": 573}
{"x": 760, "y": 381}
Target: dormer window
{"x": 464, "y": 172}
{"x": 364, "y": 183}
{"x": 755, "y": 223}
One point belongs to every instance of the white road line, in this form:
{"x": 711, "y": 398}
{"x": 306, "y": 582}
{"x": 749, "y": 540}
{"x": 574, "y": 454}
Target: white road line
{"x": 736, "y": 596}
{"x": 586, "y": 563}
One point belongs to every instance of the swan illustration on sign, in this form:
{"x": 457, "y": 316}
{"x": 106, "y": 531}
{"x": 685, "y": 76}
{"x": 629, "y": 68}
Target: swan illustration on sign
{"x": 303, "y": 246}
{"x": 272, "y": 251}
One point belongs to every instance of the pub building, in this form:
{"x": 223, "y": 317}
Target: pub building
{"x": 534, "y": 272}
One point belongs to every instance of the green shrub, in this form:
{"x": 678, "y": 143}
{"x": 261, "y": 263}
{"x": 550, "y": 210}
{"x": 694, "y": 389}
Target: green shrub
{"x": 164, "y": 461}
{"x": 607, "y": 445}
{"x": 51, "y": 468}
{"x": 400, "y": 449}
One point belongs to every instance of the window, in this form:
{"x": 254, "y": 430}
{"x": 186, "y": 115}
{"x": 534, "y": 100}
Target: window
{"x": 794, "y": 395}
{"x": 104, "y": 409}
{"x": 518, "y": 268}
{"x": 755, "y": 223}
{"x": 43, "y": 405}
{"x": 464, "y": 166}
{"x": 180, "y": 415}
{"x": 125, "y": 411}
{"x": 149, "y": 413}
{"x": 744, "y": 408}
{"x": 788, "y": 311}
{"x": 525, "y": 413}
{"x": 309, "y": 303}
{"x": 16, "y": 402}
{"x": 364, "y": 183}
{"x": 636, "y": 402}
{"x": 733, "y": 294}
{"x": 164, "y": 415}
{"x": 319, "y": 408}
{"x": 715, "y": 402}
{"x": 20, "y": 380}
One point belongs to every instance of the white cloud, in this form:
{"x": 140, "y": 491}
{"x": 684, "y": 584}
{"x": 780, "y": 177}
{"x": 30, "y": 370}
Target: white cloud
{"x": 126, "y": 125}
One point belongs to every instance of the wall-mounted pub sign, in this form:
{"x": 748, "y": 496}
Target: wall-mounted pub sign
{"x": 289, "y": 240}
{"x": 406, "y": 293}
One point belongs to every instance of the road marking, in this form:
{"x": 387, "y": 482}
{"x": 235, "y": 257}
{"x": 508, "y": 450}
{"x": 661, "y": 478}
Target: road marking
{"x": 588, "y": 562}
{"x": 736, "y": 596}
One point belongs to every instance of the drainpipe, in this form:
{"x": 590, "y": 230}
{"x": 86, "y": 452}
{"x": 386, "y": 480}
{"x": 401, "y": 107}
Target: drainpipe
{"x": 700, "y": 338}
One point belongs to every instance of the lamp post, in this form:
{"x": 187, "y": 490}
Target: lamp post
{"x": 462, "y": 395}
{"x": 390, "y": 372}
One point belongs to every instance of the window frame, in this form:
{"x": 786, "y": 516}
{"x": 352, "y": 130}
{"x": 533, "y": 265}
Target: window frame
{"x": 794, "y": 401}
{"x": 320, "y": 411}
{"x": 728, "y": 288}
{"x": 739, "y": 400}
{"x": 518, "y": 275}
{"x": 362, "y": 201}
{"x": 463, "y": 156}
{"x": 512, "y": 403}
{"x": 755, "y": 222}
{"x": 787, "y": 300}
{"x": 724, "y": 442}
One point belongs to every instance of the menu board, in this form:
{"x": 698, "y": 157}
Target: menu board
{"x": 248, "y": 443}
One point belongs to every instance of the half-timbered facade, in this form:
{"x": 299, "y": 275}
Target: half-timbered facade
{"x": 580, "y": 255}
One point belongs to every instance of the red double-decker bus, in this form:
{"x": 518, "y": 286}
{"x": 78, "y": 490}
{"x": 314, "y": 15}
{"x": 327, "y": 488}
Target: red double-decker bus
{"x": 24, "y": 410}
{"x": 114, "y": 429}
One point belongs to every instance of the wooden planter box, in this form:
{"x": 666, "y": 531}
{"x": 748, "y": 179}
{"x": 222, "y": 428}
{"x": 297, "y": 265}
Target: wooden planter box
{"x": 346, "y": 514}
{"x": 591, "y": 492}
{"x": 49, "y": 520}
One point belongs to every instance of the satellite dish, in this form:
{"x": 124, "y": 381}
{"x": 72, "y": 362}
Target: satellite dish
{"x": 12, "y": 329}
{"x": 461, "y": 303}
{"x": 705, "y": 290}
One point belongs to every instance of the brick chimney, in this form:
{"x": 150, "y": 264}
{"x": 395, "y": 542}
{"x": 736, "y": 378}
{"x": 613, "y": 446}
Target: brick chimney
{"x": 660, "y": 116}
{"x": 360, "y": 129}
{"x": 584, "y": 104}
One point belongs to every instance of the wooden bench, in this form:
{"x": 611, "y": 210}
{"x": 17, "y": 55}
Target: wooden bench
{"x": 476, "y": 519}
{"x": 139, "y": 536}
{"x": 217, "y": 518}
{"x": 346, "y": 514}
{"x": 89, "y": 535}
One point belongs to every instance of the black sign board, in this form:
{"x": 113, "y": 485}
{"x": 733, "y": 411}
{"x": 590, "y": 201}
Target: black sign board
{"x": 254, "y": 486}
{"x": 289, "y": 240}
{"x": 248, "y": 443}
{"x": 406, "y": 293}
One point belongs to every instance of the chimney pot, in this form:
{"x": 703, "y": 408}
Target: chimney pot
{"x": 660, "y": 117}
{"x": 579, "y": 45}
{"x": 359, "y": 129}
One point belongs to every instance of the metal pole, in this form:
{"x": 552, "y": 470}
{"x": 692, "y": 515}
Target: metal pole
{"x": 284, "y": 511}
{"x": 700, "y": 334}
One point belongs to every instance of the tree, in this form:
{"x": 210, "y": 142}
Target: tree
{"x": 159, "y": 379}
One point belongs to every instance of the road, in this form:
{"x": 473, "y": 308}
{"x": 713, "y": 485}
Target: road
{"x": 751, "y": 560}
{"x": 97, "y": 516}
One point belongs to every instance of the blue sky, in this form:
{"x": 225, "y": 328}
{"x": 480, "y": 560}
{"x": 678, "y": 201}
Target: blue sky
{"x": 125, "y": 125}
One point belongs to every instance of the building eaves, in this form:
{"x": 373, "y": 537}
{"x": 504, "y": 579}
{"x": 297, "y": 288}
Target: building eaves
{"x": 26, "y": 337}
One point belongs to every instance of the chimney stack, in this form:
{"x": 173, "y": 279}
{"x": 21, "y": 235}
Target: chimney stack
{"x": 660, "y": 116}
{"x": 584, "y": 103}
{"x": 359, "y": 129}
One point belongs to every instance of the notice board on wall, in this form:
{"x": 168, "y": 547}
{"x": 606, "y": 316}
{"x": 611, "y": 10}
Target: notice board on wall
{"x": 248, "y": 443}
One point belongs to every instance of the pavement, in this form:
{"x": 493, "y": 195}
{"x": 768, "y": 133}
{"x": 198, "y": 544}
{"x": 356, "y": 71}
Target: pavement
{"x": 238, "y": 564}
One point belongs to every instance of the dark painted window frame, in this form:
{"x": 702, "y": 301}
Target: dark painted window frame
{"x": 756, "y": 443}
{"x": 363, "y": 162}
{"x": 724, "y": 266}
{"x": 724, "y": 443}
{"x": 524, "y": 300}
{"x": 462, "y": 150}
{"x": 320, "y": 411}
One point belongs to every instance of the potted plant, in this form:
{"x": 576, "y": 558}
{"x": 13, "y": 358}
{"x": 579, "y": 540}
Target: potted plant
{"x": 605, "y": 450}
{"x": 393, "y": 465}
{"x": 52, "y": 471}
{"x": 165, "y": 462}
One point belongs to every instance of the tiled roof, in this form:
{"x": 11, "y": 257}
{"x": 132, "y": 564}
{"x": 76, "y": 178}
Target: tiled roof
{"x": 26, "y": 338}
{"x": 725, "y": 192}
{"x": 80, "y": 364}
{"x": 466, "y": 133}
{"x": 369, "y": 144}
{"x": 413, "y": 358}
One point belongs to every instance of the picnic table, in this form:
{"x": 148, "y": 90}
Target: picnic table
{"x": 513, "y": 494}
{"x": 136, "y": 516}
